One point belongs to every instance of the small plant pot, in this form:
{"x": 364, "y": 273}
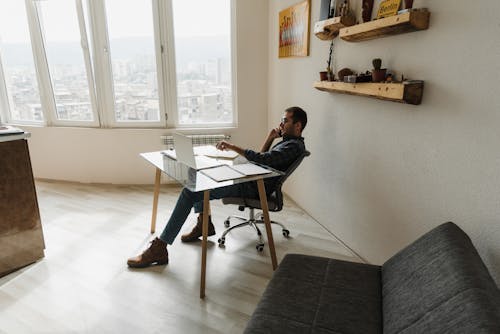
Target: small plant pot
{"x": 323, "y": 75}
{"x": 379, "y": 75}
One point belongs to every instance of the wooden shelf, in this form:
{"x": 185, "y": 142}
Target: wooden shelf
{"x": 404, "y": 92}
{"x": 417, "y": 19}
{"x": 329, "y": 29}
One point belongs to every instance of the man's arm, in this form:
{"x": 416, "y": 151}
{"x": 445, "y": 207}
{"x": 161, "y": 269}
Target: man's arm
{"x": 224, "y": 145}
{"x": 275, "y": 133}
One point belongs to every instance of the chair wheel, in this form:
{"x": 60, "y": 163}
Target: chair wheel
{"x": 286, "y": 233}
{"x": 226, "y": 223}
{"x": 260, "y": 247}
{"x": 221, "y": 241}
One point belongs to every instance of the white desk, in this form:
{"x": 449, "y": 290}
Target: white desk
{"x": 196, "y": 181}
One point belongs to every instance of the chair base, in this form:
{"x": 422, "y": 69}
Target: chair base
{"x": 250, "y": 221}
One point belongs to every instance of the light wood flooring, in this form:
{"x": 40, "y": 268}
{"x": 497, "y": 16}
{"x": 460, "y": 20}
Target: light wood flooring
{"x": 84, "y": 286}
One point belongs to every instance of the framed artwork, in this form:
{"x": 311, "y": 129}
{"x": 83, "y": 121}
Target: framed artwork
{"x": 294, "y": 30}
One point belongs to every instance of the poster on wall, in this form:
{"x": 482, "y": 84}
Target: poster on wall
{"x": 294, "y": 30}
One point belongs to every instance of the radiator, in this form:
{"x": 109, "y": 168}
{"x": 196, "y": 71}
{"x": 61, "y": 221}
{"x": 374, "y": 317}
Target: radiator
{"x": 198, "y": 140}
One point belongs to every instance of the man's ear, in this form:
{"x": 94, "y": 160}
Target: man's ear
{"x": 298, "y": 127}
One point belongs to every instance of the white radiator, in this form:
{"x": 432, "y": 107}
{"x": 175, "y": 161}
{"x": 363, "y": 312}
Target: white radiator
{"x": 198, "y": 140}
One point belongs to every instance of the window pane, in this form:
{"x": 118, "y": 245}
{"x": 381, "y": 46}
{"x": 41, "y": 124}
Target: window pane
{"x": 131, "y": 38}
{"x": 66, "y": 60}
{"x": 18, "y": 64}
{"x": 203, "y": 60}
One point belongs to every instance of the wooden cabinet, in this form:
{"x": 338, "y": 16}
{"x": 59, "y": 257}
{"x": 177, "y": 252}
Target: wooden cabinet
{"x": 21, "y": 236}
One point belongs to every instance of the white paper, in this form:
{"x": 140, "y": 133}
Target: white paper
{"x": 170, "y": 153}
{"x": 222, "y": 173}
{"x": 212, "y": 151}
{"x": 250, "y": 169}
{"x": 7, "y": 130}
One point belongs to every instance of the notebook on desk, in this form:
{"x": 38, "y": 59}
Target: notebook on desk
{"x": 184, "y": 153}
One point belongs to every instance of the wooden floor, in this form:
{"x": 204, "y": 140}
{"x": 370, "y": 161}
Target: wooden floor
{"x": 84, "y": 286}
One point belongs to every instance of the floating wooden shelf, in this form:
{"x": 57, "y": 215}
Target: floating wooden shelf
{"x": 407, "y": 22}
{"x": 404, "y": 92}
{"x": 329, "y": 29}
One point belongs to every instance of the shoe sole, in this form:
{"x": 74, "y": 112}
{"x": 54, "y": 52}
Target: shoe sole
{"x": 197, "y": 238}
{"x": 145, "y": 265}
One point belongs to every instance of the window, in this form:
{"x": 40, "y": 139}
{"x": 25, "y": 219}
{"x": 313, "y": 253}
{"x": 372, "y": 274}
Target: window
{"x": 116, "y": 63}
{"x": 203, "y": 61}
{"x": 133, "y": 59}
{"x": 18, "y": 82}
{"x": 66, "y": 57}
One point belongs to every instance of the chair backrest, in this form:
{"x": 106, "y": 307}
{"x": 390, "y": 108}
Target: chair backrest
{"x": 277, "y": 192}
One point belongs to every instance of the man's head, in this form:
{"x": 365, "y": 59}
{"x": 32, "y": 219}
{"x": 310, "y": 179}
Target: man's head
{"x": 293, "y": 122}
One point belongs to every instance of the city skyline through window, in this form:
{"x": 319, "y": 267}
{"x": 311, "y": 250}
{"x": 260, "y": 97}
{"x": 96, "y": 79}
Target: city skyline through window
{"x": 66, "y": 60}
{"x": 17, "y": 63}
{"x": 202, "y": 48}
{"x": 203, "y": 61}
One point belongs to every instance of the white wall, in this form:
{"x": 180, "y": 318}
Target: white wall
{"x": 383, "y": 173}
{"x": 112, "y": 155}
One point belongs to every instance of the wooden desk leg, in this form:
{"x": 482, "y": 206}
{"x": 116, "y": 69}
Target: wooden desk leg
{"x": 155, "y": 199}
{"x": 267, "y": 221}
{"x": 206, "y": 210}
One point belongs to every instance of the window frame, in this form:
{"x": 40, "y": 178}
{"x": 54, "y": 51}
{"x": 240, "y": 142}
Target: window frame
{"x": 43, "y": 72}
{"x": 95, "y": 38}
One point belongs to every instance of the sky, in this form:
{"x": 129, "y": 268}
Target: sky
{"x": 128, "y": 18}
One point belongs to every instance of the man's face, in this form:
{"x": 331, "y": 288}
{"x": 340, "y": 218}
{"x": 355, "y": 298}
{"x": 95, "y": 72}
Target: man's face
{"x": 287, "y": 127}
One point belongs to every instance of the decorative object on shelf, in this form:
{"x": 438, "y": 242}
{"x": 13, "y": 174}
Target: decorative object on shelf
{"x": 323, "y": 76}
{"x": 329, "y": 69}
{"x": 378, "y": 73}
{"x": 343, "y": 73}
{"x": 294, "y": 30}
{"x": 364, "y": 77}
{"x": 366, "y": 12}
{"x": 388, "y": 8}
{"x": 344, "y": 9}
{"x": 350, "y": 78}
{"x": 408, "y": 4}
{"x": 324, "y": 10}
{"x": 329, "y": 29}
{"x": 333, "y": 9}
{"x": 414, "y": 20}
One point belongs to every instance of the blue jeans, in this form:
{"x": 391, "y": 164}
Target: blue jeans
{"x": 189, "y": 199}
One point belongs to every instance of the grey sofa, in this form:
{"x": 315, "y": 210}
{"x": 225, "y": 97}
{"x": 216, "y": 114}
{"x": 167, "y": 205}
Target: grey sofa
{"x": 438, "y": 284}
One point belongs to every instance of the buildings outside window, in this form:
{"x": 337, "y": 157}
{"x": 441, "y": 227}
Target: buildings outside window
{"x": 171, "y": 67}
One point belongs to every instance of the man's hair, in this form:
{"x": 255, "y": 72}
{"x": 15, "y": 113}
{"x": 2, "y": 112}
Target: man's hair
{"x": 298, "y": 115}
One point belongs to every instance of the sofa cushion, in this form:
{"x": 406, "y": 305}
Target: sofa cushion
{"x": 316, "y": 295}
{"x": 439, "y": 283}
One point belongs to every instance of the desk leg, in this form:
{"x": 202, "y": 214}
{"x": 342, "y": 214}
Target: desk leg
{"x": 206, "y": 211}
{"x": 267, "y": 221}
{"x": 155, "y": 199}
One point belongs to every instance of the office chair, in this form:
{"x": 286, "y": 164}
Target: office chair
{"x": 274, "y": 201}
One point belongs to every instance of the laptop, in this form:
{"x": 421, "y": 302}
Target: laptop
{"x": 184, "y": 153}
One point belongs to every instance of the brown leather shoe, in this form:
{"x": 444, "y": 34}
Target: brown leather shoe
{"x": 197, "y": 231}
{"x": 156, "y": 254}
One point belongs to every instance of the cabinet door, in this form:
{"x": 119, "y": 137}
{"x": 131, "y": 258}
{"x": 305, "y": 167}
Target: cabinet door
{"x": 21, "y": 237}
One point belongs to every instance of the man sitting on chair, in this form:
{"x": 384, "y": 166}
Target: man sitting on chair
{"x": 279, "y": 157}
